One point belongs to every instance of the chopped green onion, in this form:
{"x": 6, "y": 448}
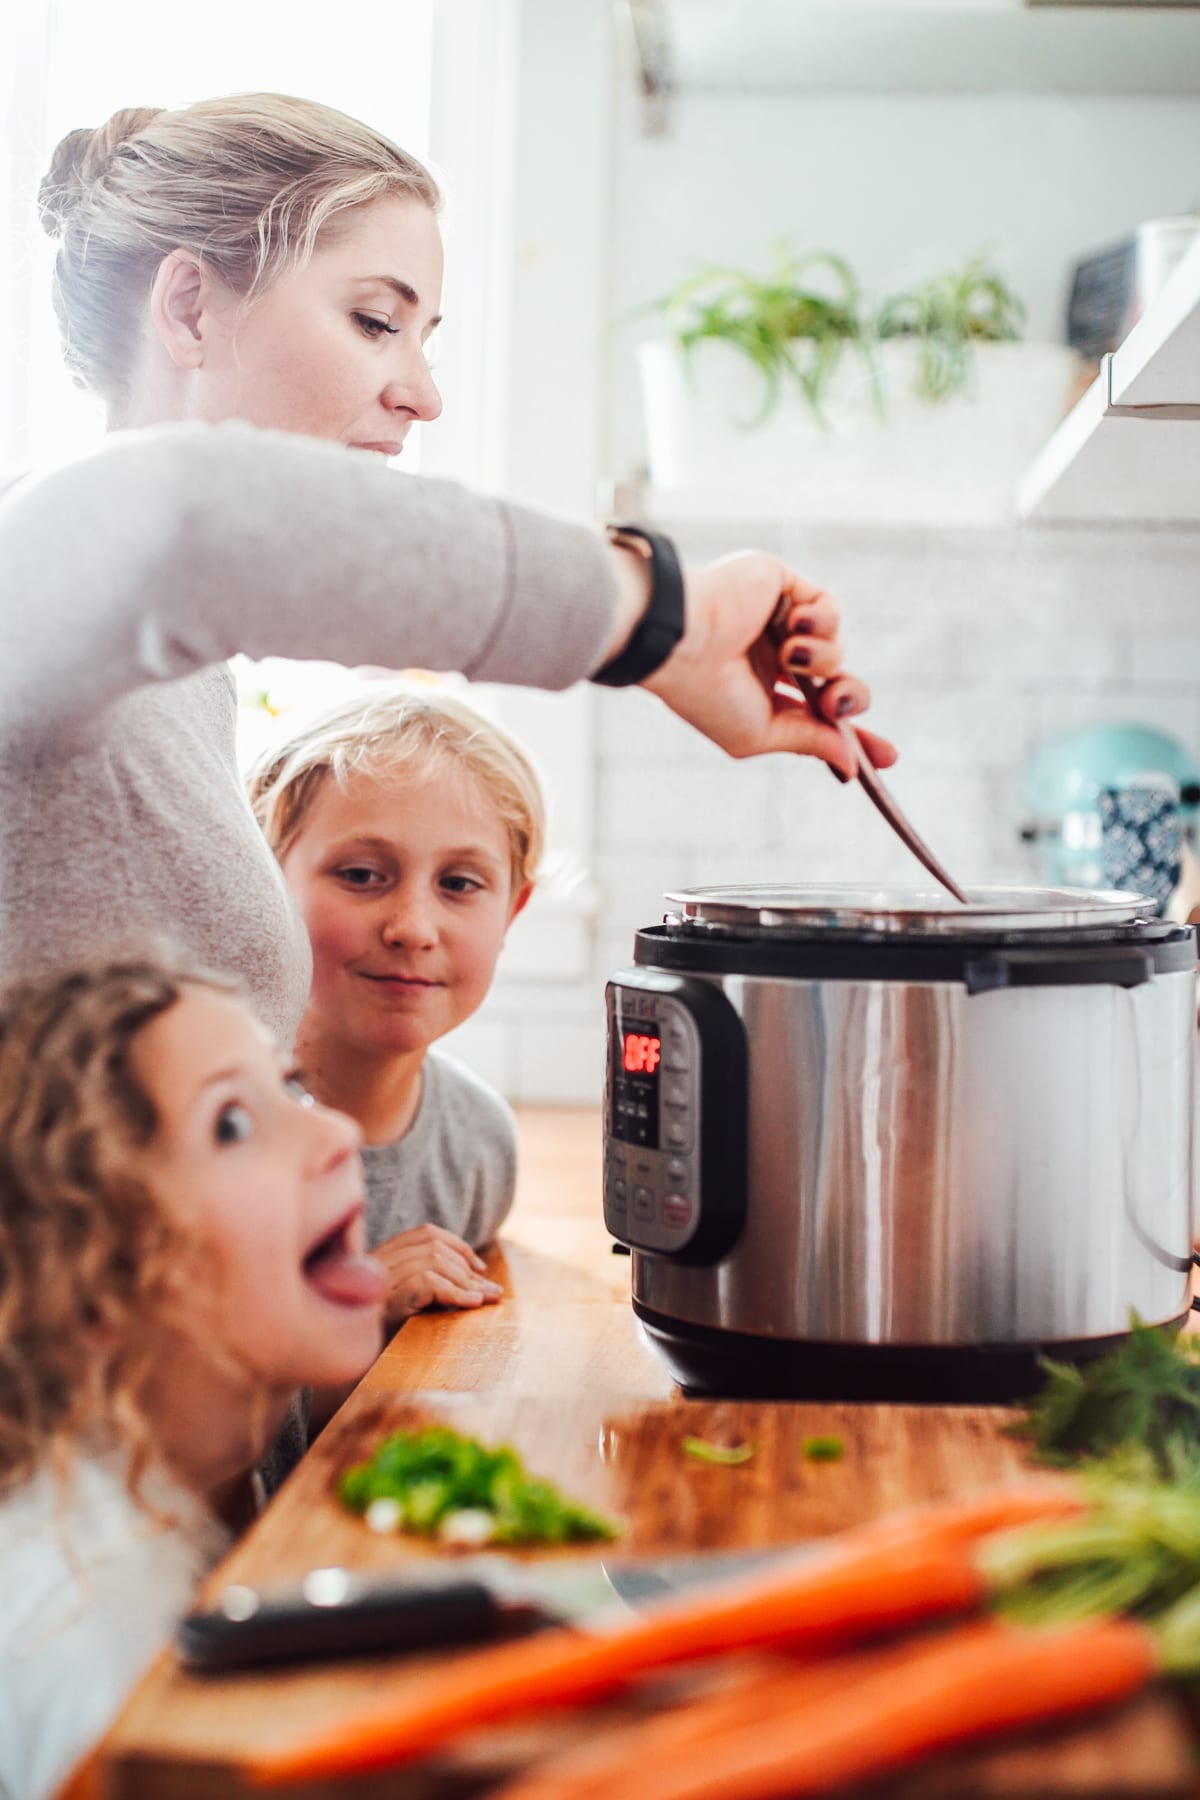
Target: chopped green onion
{"x": 729, "y": 1456}
{"x": 439, "y": 1484}
{"x": 823, "y": 1449}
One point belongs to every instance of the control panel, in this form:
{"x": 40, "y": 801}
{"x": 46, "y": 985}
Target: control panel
{"x": 674, "y": 1116}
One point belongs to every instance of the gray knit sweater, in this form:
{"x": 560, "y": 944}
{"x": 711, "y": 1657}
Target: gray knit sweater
{"x": 126, "y": 581}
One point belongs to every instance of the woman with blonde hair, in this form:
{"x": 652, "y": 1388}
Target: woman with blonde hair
{"x": 239, "y": 280}
{"x": 181, "y": 1247}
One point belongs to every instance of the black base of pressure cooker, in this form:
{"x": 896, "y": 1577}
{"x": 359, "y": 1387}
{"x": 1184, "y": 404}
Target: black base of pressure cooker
{"x": 734, "y": 1365}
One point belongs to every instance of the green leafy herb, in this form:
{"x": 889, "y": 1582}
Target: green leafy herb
{"x": 729, "y": 1456}
{"x": 438, "y": 1483}
{"x": 1143, "y": 1400}
{"x": 823, "y": 1449}
{"x": 793, "y": 325}
{"x": 1136, "y": 1551}
{"x": 946, "y": 316}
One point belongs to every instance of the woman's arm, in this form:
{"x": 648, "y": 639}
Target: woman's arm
{"x": 172, "y": 549}
{"x": 175, "y": 548}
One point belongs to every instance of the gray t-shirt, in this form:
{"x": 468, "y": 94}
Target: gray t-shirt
{"x": 455, "y": 1166}
{"x": 129, "y": 577}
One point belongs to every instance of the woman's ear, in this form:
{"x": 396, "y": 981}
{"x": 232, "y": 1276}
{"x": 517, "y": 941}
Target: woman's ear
{"x": 180, "y": 308}
{"x": 520, "y": 901}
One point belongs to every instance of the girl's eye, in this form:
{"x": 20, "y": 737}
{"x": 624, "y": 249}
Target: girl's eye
{"x": 356, "y": 876}
{"x": 294, "y": 1086}
{"x": 372, "y": 327}
{"x": 234, "y": 1124}
{"x": 461, "y": 884}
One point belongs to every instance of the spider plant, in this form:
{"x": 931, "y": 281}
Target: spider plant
{"x": 793, "y": 326}
{"x": 948, "y": 314}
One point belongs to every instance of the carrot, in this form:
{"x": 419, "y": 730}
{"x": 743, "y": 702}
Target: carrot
{"x": 862, "y": 1584}
{"x": 862, "y": 1717}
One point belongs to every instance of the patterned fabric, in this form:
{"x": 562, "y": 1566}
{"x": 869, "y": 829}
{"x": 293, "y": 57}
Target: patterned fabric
{"x": 1141, "y": 841}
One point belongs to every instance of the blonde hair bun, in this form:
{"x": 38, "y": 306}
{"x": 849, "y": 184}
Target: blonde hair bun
{"x": 248, "y": 183}
{"x": 82, "y": 158}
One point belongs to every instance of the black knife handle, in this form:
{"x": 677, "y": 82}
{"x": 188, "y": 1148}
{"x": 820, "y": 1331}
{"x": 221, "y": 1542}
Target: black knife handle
{"x": 248, "y": 1631}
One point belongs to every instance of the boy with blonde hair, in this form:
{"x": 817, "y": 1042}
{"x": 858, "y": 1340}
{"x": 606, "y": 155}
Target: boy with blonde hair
{"x": 409, "y": 829}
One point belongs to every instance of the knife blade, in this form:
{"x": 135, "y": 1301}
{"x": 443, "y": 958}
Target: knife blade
{"x": 336, "y": 1612}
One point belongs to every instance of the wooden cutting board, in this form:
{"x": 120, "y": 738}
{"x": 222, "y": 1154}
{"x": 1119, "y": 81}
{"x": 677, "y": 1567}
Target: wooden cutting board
{"x": 182, "y": 1735}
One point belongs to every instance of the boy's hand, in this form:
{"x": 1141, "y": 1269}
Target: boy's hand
{"x": 430, "y": 1266}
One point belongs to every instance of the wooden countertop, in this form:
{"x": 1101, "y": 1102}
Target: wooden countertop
{"x": 559, "y": 1368}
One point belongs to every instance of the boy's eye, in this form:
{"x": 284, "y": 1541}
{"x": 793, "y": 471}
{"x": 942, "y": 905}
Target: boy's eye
{"x": 373, "y": 327}
{"x": 234, "y": 1124}
{"x": 294, "y": 1086}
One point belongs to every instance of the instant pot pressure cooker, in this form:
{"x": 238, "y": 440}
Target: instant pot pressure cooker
{"x": 877, "y": 1144}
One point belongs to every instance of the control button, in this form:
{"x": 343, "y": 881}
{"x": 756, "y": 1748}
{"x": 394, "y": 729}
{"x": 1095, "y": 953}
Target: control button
{"x": 678, "y": 1211}
{"x": 643, "y": 1203}
{"x": 677, "y": 1171}
{"x": 619, "y": 1193}
{"x": 676, "y": 1093}
{"x": 675, "y": 1065}
{"x": 642, "y": 1165}
{"x": 677, "y": 1134}
{"x": 617, "y": 1153}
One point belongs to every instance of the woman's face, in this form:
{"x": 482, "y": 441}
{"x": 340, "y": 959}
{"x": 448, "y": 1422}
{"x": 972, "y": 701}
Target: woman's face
{"x": 269, "y": 1187}
{"x": 336, "y": 349}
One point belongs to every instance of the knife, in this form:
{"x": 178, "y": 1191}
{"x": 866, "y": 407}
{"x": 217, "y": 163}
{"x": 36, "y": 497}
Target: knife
{"x": 338, "y": 1612}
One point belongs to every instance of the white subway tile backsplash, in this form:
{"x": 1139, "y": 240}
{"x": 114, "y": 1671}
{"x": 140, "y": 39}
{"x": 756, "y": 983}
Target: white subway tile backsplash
{"x": 673, "y": 806}
{"x": 978, "y": 646}
{"x": 1167, "y": 654}
{"x": 1175, "y": 710}
{"x": 564, "y": 1066}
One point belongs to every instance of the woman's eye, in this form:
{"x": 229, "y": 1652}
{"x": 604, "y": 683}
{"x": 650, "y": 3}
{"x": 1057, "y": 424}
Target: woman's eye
{"x": 234, "y": 1124}
{"x": 373, "y": 327}
{"x": 294, "y": 1086}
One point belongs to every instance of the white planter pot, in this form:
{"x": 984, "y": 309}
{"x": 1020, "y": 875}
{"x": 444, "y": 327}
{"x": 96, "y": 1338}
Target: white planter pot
{"x": 955, "y": 459}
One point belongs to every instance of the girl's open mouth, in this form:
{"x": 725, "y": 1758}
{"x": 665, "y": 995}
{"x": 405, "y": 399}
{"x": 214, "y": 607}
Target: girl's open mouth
{"x": 340, "y": 1271}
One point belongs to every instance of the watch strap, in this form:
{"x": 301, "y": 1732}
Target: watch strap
{"x": 661, "y": 625}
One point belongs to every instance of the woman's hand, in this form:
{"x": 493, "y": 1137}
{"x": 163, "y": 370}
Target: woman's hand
{"x": 430, "y": 1266}
{"x": 722, "y": 675}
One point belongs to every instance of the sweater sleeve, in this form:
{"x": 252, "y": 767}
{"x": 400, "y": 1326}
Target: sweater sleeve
{"x": 174, "y": 548}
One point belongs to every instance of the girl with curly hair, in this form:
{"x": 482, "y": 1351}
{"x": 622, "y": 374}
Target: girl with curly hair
{"x": 181, "y": 1247}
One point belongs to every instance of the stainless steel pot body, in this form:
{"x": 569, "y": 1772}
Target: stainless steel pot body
{"x": 932, "y": 1166}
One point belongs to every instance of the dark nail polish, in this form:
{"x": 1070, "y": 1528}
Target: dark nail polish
{"x": 803, "y": 628}
{"x": 837, "y": 774}
{"x": 847, "y": 704}
{"x": 800, "y": 657}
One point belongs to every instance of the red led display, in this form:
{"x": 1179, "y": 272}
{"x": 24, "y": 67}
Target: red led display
{"x": 641, "y": 1053}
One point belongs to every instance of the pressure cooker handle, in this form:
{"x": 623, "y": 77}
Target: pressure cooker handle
{"x": 1123, "y": 965}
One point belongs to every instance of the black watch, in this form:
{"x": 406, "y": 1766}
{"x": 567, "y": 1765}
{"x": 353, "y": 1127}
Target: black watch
{"x": 661, "y": 625}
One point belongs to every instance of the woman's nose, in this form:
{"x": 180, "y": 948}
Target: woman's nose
{"x": 415, "y": 391}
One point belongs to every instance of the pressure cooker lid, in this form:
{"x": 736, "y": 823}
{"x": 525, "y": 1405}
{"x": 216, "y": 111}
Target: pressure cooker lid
{"x": 919, "y": 911}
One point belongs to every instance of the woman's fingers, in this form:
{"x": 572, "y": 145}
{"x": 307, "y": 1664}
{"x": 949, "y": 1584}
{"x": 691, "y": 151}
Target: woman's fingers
{"x": 819, "y": 657}
{"x": 844, "y": 697}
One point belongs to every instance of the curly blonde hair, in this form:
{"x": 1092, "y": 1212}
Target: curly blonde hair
{"x": 396, "y": 729}
{"x": 89, "y": 1256}
{"x": 247, "y": 183}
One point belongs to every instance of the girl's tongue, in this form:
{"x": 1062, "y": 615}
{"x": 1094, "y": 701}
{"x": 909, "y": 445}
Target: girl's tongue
{"x": 345, "y": 1276}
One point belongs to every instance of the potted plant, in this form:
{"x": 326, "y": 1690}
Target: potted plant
{"x": 786, "y": 392}
{"x": 946, "y": 318}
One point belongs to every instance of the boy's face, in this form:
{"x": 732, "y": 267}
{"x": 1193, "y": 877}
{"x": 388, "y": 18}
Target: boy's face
{"x": 406, "y": 887}
{"x": 269, "y": 1186}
